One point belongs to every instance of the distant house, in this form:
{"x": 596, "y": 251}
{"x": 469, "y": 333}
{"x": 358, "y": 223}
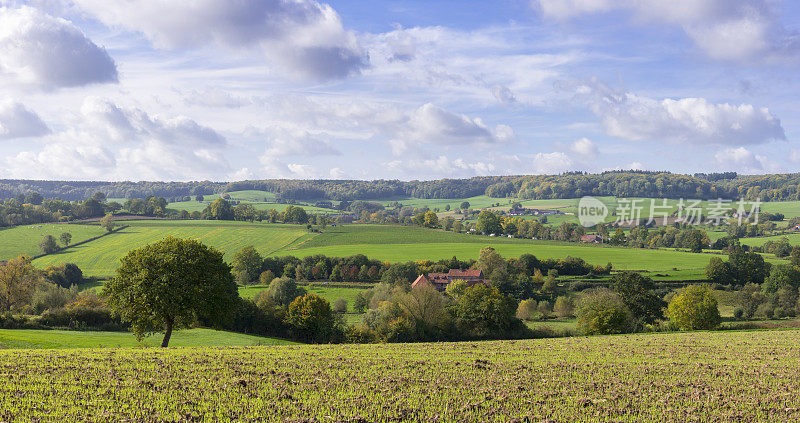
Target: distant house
{"x": 441, "y": 280}
{"x": 593, "y": 239}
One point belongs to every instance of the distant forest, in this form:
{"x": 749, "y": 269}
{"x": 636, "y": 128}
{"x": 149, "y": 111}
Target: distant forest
{"x": 728, "y": 185}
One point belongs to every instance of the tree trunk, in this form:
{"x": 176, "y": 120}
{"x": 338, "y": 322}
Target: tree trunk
{"x": 167, "y": 333}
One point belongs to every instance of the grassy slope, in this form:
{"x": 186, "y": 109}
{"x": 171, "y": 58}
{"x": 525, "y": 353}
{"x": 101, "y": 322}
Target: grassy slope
{"x": 394, "y": 243}
{"x": 101, "y": 257}
{"x": 329, "y": 293}
{"x": 23, "y": 338}
{"x": 678, "y": 377}
{"x": 25, "y": 239}
{"x": 794, "y": 239}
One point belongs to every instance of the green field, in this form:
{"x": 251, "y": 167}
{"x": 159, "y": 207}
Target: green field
{"x": 101, "y": 257}
{"x": 261, "y": 200}
{"x": 794, "y": 239}
{"x": 331, "y": 294}
{"x": 678, "y": 377}
{"x": 382, "y": 242}
{"x": 23, "y": 338}
{"x": 25, "y": 239}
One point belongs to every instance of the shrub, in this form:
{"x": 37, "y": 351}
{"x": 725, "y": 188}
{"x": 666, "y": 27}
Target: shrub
{"x": 266, "y": 277}
{"x": 284, "y": 290}
{"x": 311, "y": 318}
{"x": 49, "y": 297}
{"x": 544, "y": 309}
{"x": 360, "y": 303}
{"x": 340, "y": 306}
{"x": 48, "y": 244}
{"x": 563, "y": 307}
{"x": 526, "y": 310}
{"x": 82, "y": 318}
{"x": 602, "y": 311}
{"x": 694, "y": 308}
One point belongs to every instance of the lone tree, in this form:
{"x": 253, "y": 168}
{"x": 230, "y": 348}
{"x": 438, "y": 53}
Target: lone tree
{"x": 168, "y": 284}
{"x": 65, "y": 238}
{"x": 48, "y": 244}
{"x": 107, "y": 222}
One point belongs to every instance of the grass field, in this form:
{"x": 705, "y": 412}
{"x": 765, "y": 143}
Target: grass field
{"x": 679, "y": 377}
{"x": 331, "y": 294}
{"x": 101, "y": 257}
{"x": 794, "y": 239}
{"x": 390, "y": 243}
{"x": 25, "y": 239}
{"x": 27, "y": 339}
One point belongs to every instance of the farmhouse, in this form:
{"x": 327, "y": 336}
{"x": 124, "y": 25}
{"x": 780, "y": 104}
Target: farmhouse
{"x": 591, "y": 238}
{"x": 441, "y": 280}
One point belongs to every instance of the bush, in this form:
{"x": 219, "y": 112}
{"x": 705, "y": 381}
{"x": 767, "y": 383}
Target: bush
{"x": 64, "y": 275}
{"x": 49, "y": 297}
{"x": 694, "y": 308}
{"x": 738, "y": 313}
{"x": 340, "y": 306}
{"x": 48, "y": 244}
{"x": 527, "y": 310}
{"x": 602, "y": 311}
{"x": 284, "y": 290}
{"x": 82, "y": 318}
{"x": 563, "y": 307}
{"x": 266, "y": 277}
{"x": 311, "y": 318}
{"x": 360, "y": 303}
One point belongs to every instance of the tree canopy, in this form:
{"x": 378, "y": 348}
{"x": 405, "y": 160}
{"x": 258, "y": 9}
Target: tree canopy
{"x": 169, "y": 284}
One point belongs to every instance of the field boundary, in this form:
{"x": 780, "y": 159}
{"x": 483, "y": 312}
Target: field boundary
{"x": 95, "y": 238}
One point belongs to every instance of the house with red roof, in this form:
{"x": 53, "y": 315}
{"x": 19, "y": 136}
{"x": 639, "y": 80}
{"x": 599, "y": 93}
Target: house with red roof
{"x": 441, "y": 280}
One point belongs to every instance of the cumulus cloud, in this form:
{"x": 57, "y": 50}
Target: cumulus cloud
{"x": 551, "y": 163}
{"x": 733, "y": 30}
{"x": 585, "y": 148}
{"x": 743, "y": 160}
{"x": 441, "y": 166}
{"x": 436, "y": 125}
{"x": 303, "y": 36}
{"x": 112, "y": 142}
{"x": 285, "y": 142}
{"x": 17, "y": 121}
{"x": 692, "y": 120}
{"x": 42, "y": 51}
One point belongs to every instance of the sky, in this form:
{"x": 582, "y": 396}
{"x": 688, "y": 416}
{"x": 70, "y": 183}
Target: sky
{"x": 410, "y": 90}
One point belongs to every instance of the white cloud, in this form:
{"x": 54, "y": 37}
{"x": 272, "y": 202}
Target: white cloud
{"x": 733, "y": 30}
{"x": 689, "y": 120}
{"x": 441, "y": 166}
{"x": 438, "y": 126}
{"x": 585, "y": 148}
{"x": 17, "y": 121}
{"x": 111, "y": 142}
{"x": 41, "y": 51}
{"x": 795, "y": 156}
{"x": 407, "y": 130}
{"x": 303, "y": 36}
{"x": 284, "y": 142}
{"x": 743, "y": 160}
{"x": 551, "y": 163}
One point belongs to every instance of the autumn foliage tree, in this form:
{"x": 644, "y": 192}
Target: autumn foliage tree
{"x": 18, "y": 280}
{"x": 167, "y": 285}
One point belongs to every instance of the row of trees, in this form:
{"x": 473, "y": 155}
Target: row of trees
{"x": 777, "y": 187}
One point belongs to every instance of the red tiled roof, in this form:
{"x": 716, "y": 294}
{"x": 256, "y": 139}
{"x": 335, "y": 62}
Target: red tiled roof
{"x": 470, "y": 273}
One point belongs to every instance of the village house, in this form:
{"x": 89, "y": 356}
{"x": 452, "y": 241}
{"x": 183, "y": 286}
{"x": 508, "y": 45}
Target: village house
{"x": 592, "y": 238}
{"x": 441, "y": 280}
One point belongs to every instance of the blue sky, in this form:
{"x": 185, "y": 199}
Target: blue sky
{"x": 153, "y": 90}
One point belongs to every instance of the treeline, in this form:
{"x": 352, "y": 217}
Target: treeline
{"x": 766, "y": 290}
{"x": 32, "y": 208}
{"x": 629, "y": 183}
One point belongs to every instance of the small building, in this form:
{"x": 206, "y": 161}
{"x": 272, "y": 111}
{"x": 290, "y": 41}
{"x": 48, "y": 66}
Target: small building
{"x": 441, "y": 280}
{"x": 592, "y": 239}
